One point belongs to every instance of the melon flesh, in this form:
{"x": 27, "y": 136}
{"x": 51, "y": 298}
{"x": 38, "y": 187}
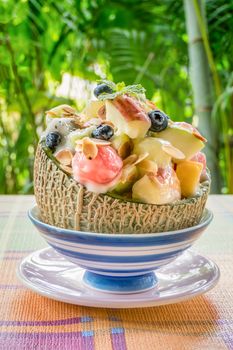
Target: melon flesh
{"x": 153, "y": 146}
{"x": 183, "y": 139}
{"x": 189, "y": 172}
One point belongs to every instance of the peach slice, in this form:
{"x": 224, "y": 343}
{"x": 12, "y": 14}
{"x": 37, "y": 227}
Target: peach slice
{"x": 189, "y": 172}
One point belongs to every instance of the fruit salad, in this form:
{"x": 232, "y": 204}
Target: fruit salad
{"x": 122, "y": 144}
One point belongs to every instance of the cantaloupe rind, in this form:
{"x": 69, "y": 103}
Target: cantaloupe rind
{"x": 65, "y": 203}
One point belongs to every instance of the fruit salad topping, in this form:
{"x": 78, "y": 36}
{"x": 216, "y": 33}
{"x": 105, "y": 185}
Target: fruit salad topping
{"x": 124, "y": 144}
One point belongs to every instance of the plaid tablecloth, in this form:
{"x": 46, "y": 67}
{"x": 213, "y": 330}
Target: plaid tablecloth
{"x": 29, "y": 321}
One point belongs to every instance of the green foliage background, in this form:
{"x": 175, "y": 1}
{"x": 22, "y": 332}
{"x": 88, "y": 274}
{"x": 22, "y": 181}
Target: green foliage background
{"x": 135, "y": 41}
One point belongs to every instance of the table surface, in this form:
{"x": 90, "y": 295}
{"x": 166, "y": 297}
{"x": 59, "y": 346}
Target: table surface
{"x": 30, "y": 321}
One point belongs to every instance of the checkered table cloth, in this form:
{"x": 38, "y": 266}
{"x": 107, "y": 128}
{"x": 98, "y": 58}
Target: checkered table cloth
{"x": 30, "y": 321}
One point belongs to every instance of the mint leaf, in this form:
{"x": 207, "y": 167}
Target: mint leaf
{"x": 120, "y": 89}
{"x": 109, "y": 83}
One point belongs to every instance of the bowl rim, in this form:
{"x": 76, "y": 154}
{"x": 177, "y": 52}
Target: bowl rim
{"x": 206, "y": 218}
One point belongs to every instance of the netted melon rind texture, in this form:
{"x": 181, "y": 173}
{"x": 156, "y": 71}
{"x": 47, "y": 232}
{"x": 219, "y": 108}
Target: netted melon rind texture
{"x": 65, "y": 203}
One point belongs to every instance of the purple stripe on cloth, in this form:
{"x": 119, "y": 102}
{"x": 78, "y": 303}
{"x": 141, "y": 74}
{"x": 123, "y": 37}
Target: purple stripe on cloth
{"x": 19, "y": 251}
{"x": 227, "y": 337}
{"x": 44, "y": 341}
{"x": 118, "y": 338}
{"x": 88, "y": 340}
{"x": 11, "y": 286}
{"x": 4, "y": 255}
{"x": 11, "y": 258}
{"x": 64, "y": 322}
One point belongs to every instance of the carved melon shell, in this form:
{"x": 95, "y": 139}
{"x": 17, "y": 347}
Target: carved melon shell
{"x": 65, "y": 203}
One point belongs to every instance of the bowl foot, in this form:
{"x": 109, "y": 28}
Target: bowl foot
{"x": 122, "y": 285}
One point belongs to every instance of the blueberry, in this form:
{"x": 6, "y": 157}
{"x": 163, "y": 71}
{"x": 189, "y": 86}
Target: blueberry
{"x": 103, "y": 132}
{"x": 101, "y": 88}
{"x": 52, "y": 140}
{"x": 159, "y": 120}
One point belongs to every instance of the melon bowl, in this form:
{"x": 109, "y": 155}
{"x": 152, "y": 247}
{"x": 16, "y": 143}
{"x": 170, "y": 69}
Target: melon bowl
{"x": 119, "y": 263}
{"x": 67, "y": 204}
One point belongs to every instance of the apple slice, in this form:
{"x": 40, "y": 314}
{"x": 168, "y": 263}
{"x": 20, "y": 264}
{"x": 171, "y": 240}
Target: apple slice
{"x": 184, "y": 137}
{"x": 159, "y": 151}
{"x": 162, "y": 188}
{"x": 128, "y": 116}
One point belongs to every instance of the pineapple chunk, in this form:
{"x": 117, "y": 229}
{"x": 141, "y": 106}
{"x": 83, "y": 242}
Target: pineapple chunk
{"x": 189, "y": 172}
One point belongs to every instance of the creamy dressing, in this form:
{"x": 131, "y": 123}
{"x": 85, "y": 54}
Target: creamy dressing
{"x": 99, "y": 188}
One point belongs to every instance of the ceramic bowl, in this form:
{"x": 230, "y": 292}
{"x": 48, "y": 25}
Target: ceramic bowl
{"x": 120, "y": 263}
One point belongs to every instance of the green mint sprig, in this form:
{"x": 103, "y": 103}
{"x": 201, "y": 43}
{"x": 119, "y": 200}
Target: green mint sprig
{"x": 120, "y": 89}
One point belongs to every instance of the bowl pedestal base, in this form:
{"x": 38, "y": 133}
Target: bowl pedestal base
{"x": 122, "y": 285}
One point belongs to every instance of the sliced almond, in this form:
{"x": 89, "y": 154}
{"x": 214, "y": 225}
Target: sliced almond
{"x": 128, "y": 174}
{"x": 173, "y": 151}
{"x": 64, "y": 156}
{"x": 89, "y": 148}
{"x": 62, "y": 110}
{"x": 141, "y": 157}
{"x": 148, "y": 166}
{"x": 130, "y": 159}
{"x": 50, "y": 113}
{"x": 79, "y": 120}
{"x": 68, "y": 110}
{"x": 100, "y": 142}
{"x": 154, "y": 179}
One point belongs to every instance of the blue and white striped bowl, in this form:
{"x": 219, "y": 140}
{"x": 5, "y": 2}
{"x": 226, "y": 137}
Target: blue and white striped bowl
{"x": 122, "y": 263}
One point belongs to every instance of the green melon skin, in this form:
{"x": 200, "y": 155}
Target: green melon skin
{"x": 65, "y": 203}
